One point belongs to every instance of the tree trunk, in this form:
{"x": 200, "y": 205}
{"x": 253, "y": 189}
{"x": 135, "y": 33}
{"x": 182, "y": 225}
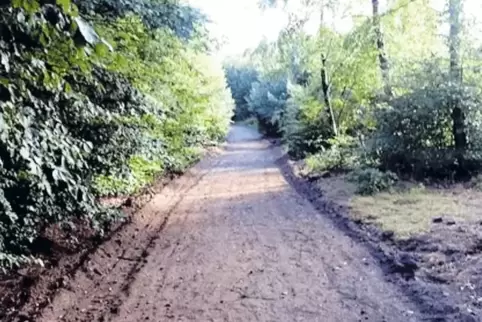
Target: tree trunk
{"x": 458, "y": 117}
{"x": 325, "y": 85}
{"x": 382, "y": 55}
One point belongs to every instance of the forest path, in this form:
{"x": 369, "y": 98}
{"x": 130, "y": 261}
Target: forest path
{"x": 237, "y": 243}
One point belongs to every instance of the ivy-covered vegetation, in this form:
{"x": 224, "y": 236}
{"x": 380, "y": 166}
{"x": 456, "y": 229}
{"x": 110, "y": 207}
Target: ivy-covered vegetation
{"x": 396, "y": 93}
{"x": 98, "y": 97}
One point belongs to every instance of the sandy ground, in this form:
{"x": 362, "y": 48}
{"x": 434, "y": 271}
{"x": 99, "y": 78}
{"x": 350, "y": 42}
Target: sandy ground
{"x": 232, "y": 241}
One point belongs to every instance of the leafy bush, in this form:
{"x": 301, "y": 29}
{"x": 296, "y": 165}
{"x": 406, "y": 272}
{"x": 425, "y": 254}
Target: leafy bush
{"x": 47, "y": 128}
{"x": 414, "y": 133}
{"x": 183, "y": 20}
{"x": 476, "y": 183}
{"x": 340, "y": 156}
{"x": 240, "y": 80}
{"x": 78, "y": 120}
{"x": 267, "y": 101}
{"x": 398, "y": 102}
{"x": 370, "y": 180}
{"x": 304, "y": 125}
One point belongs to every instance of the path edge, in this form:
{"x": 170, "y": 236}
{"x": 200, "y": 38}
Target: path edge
{"x": 386, "y": 253}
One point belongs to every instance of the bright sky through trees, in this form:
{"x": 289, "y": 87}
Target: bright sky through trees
{"x": 241, "y": 24}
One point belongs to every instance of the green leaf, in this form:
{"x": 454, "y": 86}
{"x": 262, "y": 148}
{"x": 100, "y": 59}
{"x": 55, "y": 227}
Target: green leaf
{"x": 17, "y": 3}
{"x": 4, "y": 81}
{"x": 31, "y": 6}
{"x": 64, "y": 4}
{"x": 101, "y": 49}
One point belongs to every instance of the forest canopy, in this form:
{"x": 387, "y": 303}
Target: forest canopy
{"x": 398, "y": 92}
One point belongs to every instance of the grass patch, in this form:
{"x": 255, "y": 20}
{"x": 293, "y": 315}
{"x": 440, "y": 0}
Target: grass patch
{"x": 410, "y": 209}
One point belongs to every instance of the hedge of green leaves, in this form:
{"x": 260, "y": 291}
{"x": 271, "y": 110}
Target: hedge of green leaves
{"x": 240, "y": 80}
{"x": 93, "y": 105}
{"x": 267, "y": 100}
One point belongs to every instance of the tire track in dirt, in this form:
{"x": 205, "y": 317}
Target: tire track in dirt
{"x": 125, "y": 288}
{"x": 95, "y": 291}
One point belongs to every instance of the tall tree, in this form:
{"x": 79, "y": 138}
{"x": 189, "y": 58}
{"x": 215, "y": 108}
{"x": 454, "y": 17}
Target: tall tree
{"x": 380, "y": 42}
{"x": 325, "y": 84}
{"x": 458, "y": 117}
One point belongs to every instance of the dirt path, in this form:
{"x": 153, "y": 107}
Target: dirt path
{"x": 231, "y": 242}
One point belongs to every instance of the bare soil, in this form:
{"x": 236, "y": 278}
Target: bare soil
{"x": 236, "y": 239}
{"x": 232, "y": 241}
{"x": 25, "y": 292}
{"x": 429, "y": 241}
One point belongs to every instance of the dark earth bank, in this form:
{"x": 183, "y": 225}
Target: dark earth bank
{"x": 441, "y": 271}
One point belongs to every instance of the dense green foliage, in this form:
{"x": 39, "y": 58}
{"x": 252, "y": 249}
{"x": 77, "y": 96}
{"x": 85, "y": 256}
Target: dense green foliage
{"x": 366, "y": 98}
{"x": 340, "y": 157}
{"x": 370, "y": 181}
{"x": 240, "y": 80}
{"x": 267, "y": 100}
{"x": 157, "y": 14}
{"x": 414, "y": 132}
{"x": 87, "y": 112}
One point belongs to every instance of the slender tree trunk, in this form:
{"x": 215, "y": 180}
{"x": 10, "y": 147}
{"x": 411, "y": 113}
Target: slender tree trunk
{"x": 458, "y": 117}
{"x": 325, "y": 84}
{"x": 382, "y": 55}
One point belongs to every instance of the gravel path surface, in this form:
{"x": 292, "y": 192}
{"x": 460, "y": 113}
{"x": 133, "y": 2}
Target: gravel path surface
{"x": 231, "y": 241}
